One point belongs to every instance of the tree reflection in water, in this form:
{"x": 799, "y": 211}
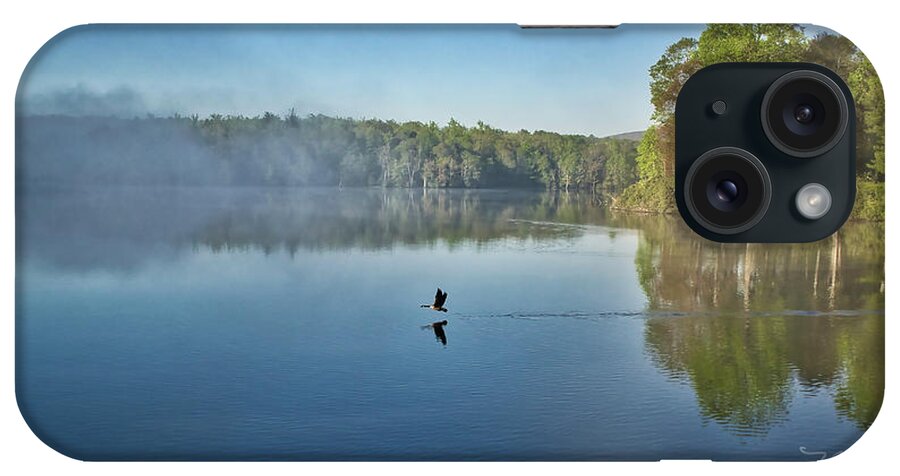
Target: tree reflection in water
{"x": 766, "y": 320}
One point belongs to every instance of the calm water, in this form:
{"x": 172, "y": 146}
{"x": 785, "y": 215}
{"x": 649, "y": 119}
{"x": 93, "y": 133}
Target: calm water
{"x": 285, "y": 324}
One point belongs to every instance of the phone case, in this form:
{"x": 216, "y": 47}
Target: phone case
{"x": 421, "y": 242}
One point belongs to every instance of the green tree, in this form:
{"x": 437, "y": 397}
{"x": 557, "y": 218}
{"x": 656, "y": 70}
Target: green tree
{"x": 869, "y": 97}
{"x": 621, "y": 170}
{"x": 721, "y": 43}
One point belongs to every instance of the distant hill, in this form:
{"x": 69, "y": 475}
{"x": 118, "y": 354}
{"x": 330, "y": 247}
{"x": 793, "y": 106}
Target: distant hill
{"x": 635, "y": 136}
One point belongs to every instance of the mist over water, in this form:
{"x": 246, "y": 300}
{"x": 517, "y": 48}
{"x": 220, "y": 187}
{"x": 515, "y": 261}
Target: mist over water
{"x": 248, "y": 323}
{"x": 313, "y": 150}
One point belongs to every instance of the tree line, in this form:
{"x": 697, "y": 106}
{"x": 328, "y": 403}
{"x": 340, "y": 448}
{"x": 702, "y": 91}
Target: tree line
{"x": 322, "y": 150}
{"x": 318, "y": 150}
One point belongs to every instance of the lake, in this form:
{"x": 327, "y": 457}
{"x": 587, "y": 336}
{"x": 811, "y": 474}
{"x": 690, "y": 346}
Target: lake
{"x": 244, "y": 323}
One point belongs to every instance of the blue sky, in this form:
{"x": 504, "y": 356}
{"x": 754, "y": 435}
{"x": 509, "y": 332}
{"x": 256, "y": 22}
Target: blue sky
{"x": 589, "y": 81}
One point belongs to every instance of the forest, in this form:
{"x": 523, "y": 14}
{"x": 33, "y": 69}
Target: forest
{"x": 317, "y": 150}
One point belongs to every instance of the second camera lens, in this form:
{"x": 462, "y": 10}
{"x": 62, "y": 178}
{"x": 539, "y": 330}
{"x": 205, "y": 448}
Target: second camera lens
{"x": 804, "y": 113}
{"x": 727, "y": 190}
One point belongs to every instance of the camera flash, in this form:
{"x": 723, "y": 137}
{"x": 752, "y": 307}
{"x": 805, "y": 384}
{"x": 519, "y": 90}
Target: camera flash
{"x": 813, "y": 201}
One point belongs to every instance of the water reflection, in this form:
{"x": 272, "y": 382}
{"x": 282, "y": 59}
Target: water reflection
{"x": 680, "y": 271}
{"x": 439, "y": 334}
{"x": 766, "y": 319}
{"x": 751, "y": 329}
{"x": 120, "y": 229}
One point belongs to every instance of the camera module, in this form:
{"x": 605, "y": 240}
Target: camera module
{"x": 779, "y": 166}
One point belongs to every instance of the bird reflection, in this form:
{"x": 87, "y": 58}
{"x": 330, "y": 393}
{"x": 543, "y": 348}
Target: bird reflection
{"x": 438, "y": 328}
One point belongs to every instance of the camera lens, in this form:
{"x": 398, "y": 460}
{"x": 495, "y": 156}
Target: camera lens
{"x": 727, "y": 190}
{"x": 804, "y": 113}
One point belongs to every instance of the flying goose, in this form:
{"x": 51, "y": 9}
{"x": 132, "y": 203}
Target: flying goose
{"x": 439, "y": 299}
